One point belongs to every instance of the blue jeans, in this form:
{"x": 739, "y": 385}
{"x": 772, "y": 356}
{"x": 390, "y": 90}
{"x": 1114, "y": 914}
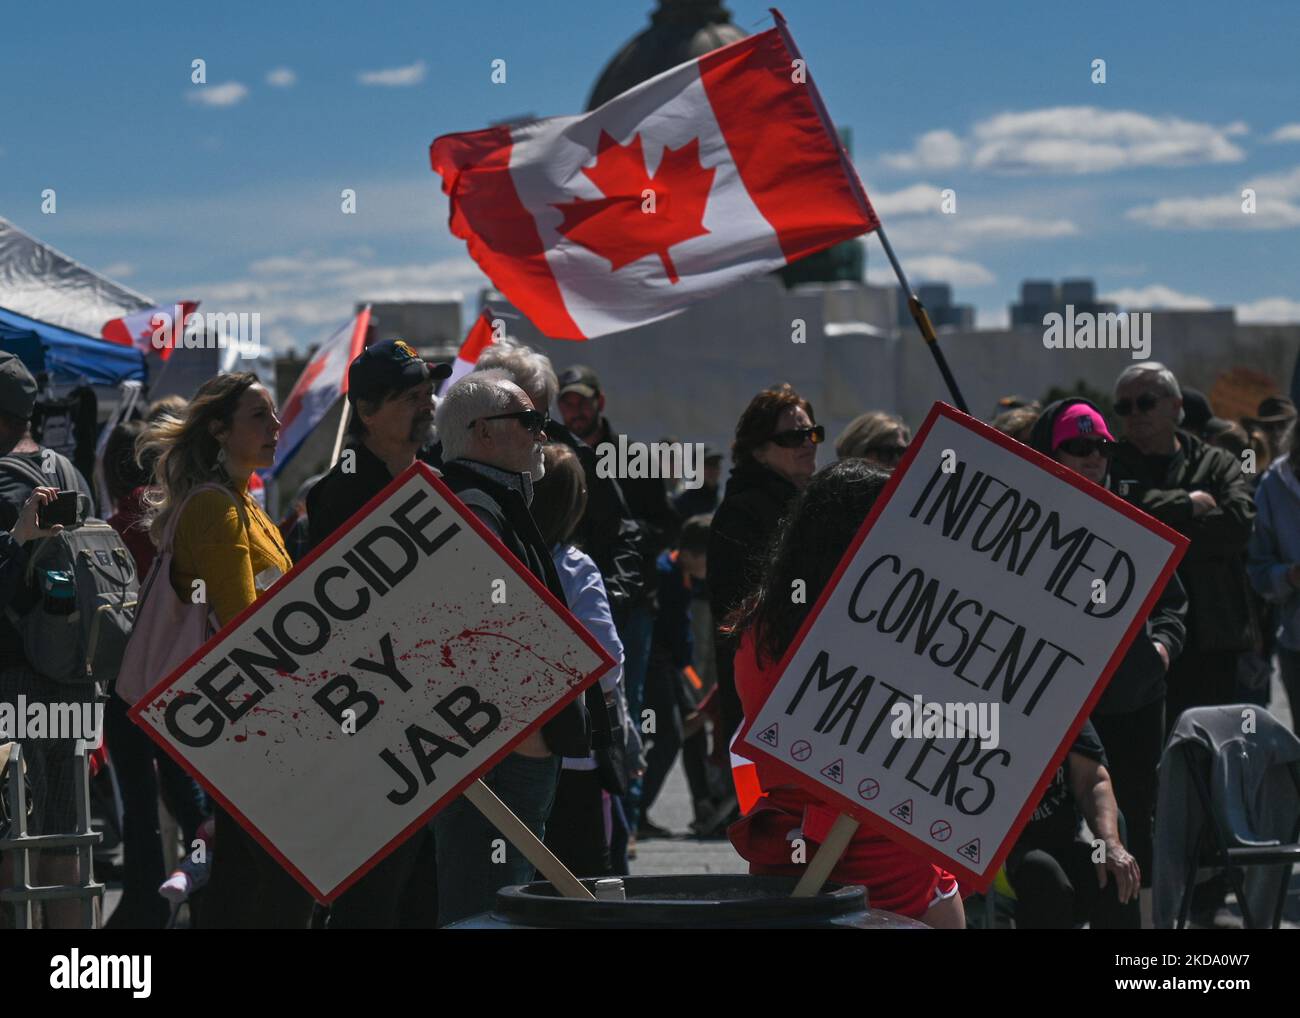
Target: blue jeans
{"x": 636, "y": 635}
{"x": 468, "y": 876}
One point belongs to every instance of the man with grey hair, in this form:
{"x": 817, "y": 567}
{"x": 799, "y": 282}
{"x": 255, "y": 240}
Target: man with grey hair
{"x": 1201, "y": 492}
{"x": 492, "y": 455}
{"x": 527, "y": 368}
{"x": 607, "y": 532}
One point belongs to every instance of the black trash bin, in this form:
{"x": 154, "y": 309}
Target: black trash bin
{"x": 696, "y": 901}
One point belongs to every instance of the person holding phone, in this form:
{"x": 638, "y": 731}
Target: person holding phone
{"x": 26, "y": 468}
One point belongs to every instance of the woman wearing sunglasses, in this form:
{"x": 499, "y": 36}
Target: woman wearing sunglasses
{"x": 1130, "y": 716}
{"x": 878, "y": 437}
{"x": 773, "y": 458}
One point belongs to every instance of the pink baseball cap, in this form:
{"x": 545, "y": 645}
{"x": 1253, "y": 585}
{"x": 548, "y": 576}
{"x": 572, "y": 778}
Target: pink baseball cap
{"x": 1078, "y": 421}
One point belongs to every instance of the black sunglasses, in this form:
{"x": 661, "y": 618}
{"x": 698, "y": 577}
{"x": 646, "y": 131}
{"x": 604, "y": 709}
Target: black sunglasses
{"x": 1145, "y": 404}
{"x": 887, "y": 453}
{"x": 1082, "y": 447}
{"x": 796, "y": 437}
{"x": 532, "y": 420}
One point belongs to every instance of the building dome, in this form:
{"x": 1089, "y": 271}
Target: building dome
{"x": 680, "y": 30}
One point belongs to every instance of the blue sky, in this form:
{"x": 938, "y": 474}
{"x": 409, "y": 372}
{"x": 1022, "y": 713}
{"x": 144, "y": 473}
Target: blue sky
{"x": 229, "y": 192}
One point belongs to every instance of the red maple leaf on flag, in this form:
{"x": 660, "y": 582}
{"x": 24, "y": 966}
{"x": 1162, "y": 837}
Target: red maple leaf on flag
{"x": 640, "y": 214}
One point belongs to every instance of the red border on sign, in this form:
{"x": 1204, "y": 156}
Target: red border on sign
{"x": 843, "y": 802}
{"x": 494, "y": 542}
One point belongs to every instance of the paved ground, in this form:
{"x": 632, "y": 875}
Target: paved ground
{"x": 684, "y": 854}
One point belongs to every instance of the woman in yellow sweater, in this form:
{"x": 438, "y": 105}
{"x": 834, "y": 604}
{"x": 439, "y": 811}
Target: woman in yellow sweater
{"x": 224, "y": 539}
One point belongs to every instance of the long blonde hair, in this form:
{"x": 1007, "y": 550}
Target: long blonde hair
{"x": 186, "y": 450}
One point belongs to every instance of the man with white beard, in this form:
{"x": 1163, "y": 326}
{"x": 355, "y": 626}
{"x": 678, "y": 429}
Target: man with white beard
{"x": 492, "y": 454}
{"x": 391, "y": 392}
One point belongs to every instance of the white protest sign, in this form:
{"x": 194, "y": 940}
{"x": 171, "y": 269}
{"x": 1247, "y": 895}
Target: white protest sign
{"x": 370, "y": 686}
{"x": 1002, "y": 590}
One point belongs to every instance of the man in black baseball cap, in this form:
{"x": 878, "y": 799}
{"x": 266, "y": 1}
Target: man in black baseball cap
{"x": 391, "y": 400}
{"x": 17, "y": 400}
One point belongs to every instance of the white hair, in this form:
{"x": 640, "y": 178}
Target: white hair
{"x": 478, "y": 394}
{"x": 1163, "y": 376}
{"x": 527, "y": 368}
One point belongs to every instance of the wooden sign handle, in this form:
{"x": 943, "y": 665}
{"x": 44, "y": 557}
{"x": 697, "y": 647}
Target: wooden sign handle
{"x": 819, "y": 870}
{"x": 501, "y": 817}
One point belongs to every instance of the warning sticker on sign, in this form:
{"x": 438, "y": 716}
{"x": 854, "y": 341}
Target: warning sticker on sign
{"x": 903, "y": 811}
{"x": 971, "y": 850}
{"x": 770, "y": 734}
{"x": 835, "y": 771}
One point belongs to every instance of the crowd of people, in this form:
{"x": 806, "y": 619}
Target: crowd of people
{"x": 686, "y": 589}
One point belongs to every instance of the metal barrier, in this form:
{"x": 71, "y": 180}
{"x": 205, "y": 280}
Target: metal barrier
{"x": 23, "y": 894}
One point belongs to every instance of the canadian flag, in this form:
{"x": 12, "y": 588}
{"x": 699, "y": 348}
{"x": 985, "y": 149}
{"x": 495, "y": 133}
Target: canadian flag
{"x": 481, "y": 335}
{"x": 721, "y": 168}
{"x": 323, "y": 381}
{"x": 139, "y": 327}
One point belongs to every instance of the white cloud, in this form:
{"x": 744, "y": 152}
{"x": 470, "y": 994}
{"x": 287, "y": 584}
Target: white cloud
{"x": 934, "y": 150}
{"x": 1157, "y": 296}
{"x": 1269, "y": 310}
{"x": 301, "y": 296}
{"x": 281, "y": 77}
{"x": 933, "y": 268}
{"x": 1287, "y": 132}
{"x": 118, "y": 270}
{"x": 1277, "y": 207}
{"x": 229, "y": 94}
{"x": 1073, "y": 139}
{"x": 411, "y": 74}
{"x": 915, "y": 200}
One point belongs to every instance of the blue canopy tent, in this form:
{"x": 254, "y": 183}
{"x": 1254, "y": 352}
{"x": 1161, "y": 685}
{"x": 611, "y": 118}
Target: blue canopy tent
{"x": 69, "y": 357}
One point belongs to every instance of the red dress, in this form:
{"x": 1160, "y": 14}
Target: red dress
{"x": 895, "y": 879}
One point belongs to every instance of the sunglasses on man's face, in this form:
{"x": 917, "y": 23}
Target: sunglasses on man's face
{"x": 1145, "y": 404}
{"x": 533, "y": 420}
{"x": 1085, "y": 447}
{"x": 798, "y": 436}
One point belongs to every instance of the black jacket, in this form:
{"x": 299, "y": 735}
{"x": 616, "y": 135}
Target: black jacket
{"x": 647, "y": 502}
{"x": 610, "y": 532}
{"x": 742, "y": 530}
{"x": 607, "y": 532}
{"x": 336, "y": 497}
{"x": 1221, "y": 616}
{"x": 1140, "y": 678}
{"x": 504, "y": 511}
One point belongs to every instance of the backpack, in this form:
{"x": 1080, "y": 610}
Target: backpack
{"x": 85, "y": 587}
{"x": 168, "y": 630}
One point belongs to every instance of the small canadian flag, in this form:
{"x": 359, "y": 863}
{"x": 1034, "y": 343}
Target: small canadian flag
{"x": 139, "y": 328}
{"x": 721, "y": 168}
{"x": 481, "y": 335}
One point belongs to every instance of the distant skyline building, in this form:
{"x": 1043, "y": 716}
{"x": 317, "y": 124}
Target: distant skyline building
{"x": 1042, "y": 297}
